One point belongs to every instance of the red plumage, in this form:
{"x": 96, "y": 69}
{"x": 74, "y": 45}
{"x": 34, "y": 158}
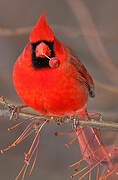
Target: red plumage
{"x": 42, "y": 31}
{"x": 50, "y": 78}
{"x": 52, "y": 91}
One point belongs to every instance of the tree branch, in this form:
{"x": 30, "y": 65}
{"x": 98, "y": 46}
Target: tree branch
{"x": 92, "y": 123}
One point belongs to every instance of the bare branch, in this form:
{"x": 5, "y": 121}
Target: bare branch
{"x": 97, "y": 124}
{"x": 93, "y": 123}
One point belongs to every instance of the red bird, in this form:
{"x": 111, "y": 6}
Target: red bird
{"x": 49, "y": 77}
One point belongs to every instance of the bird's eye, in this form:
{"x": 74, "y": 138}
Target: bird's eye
{"x": 42, "y": 50}
{"x": 54, "y": 62}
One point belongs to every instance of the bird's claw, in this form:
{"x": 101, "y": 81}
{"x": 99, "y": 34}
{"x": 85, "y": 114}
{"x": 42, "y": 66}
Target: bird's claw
{"x": 75, "y": 120}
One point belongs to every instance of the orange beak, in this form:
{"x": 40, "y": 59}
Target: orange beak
{"x": 42, "y": 50}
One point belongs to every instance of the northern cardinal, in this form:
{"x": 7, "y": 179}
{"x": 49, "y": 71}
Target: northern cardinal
{"x": 49, "y": 77}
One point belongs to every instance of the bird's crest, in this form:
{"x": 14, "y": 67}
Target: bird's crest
{"x": 42, "y": 31}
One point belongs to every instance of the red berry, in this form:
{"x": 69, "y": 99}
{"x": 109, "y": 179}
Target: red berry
{"x": 54, "y": 62}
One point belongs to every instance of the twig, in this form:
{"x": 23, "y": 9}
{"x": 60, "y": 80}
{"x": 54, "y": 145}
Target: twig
{"x": 97, "y": 124}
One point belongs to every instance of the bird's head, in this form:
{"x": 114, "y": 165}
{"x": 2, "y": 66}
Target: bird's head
{"x": 43, "y": 45}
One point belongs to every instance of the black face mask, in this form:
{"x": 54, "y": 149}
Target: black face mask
{"x": 41, "y": 62}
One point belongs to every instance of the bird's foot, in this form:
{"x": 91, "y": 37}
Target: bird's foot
{"x": 75, "y": 120}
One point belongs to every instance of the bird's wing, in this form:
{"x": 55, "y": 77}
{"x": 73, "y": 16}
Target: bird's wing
{"x": 82, "y": 74}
